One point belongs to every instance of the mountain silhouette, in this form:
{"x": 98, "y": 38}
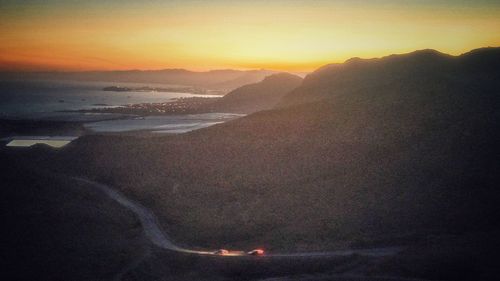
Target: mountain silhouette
{"x": 398, "y": 144}
{"x": 424, "y": 70}
{"x": 372, "y": 153}
{"x": 258, "y": 96}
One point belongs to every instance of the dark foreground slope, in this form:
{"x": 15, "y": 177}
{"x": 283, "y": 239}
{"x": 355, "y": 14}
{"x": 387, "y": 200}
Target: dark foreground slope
{"x": 258, "y": 96}
{"x": 54, "y": 228}
{"x": 382, "y": 163}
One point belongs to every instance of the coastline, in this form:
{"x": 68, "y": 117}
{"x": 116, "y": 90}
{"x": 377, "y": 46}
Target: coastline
{"x": 184, "y": 105}
{"x": 136, "y": 120}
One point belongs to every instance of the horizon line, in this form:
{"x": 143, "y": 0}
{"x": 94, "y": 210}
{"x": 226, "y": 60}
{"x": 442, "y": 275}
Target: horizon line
{"x": 241, "y": 69}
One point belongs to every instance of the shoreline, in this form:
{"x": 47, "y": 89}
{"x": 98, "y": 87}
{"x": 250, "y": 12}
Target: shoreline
{"x": 114, "y": 124}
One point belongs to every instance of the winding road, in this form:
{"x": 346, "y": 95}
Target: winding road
{"x": 159, "y": 238}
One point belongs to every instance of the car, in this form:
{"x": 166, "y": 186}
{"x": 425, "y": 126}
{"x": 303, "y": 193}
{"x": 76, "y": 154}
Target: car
{"x": 256, "y": 252}
{"x": 221, "y": 252}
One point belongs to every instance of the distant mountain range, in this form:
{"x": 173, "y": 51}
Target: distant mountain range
{"x": 226, "y": 80}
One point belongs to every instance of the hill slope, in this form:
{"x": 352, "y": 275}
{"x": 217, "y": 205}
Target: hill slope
{"x": 415, "y": 72}
{"x": 58, "y": 229}
{"x": 258, "y": 96}
{"x": 392, "y": 150}
{"x": 362, "y": 165}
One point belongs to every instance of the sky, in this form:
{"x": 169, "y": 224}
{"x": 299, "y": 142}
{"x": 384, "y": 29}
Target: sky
{"x": 289, "y": 35}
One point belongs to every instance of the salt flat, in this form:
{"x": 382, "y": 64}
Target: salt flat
{"x": 27, "y": 141}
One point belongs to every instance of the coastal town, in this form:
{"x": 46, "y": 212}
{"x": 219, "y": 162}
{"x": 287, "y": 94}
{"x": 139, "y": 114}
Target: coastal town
{"x": 190, "y": 105}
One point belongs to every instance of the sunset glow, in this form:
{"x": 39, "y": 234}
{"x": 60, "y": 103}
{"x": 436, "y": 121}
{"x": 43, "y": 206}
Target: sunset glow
{"x": 202, "y": 35}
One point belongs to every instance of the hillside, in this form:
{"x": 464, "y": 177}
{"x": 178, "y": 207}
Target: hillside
{"x": 258, "y": 96}
{"x": 55, "y": 228}
{"x": 399, "y": 150}
{"x": 419, "y": 71}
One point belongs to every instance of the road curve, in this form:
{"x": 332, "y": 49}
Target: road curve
{"x": 148, "y": 220}
{"x": 159, "y": 238}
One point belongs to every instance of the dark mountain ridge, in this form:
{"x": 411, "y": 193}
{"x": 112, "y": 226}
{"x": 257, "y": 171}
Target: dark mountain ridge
{"x": 395, "y": 151}
{"x": 385, "y": 155}
{"x": 422, "y": 69}
{"x": 258, "y": 96}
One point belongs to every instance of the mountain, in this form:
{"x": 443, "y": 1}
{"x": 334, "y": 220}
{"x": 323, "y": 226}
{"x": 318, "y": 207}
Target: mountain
{"x": 225, "y": 80}
{"x": 401, "y": 150}
{"x": 418, "y": 71}
{"x": 380, "y": 148}
{"x": 258, "y": 96}
{"x": 403, "y": 145}
{"x": 247, "y": 77}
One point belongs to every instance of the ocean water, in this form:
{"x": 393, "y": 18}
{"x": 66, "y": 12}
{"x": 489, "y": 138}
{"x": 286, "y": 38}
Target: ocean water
{"x": 47, "y": 100}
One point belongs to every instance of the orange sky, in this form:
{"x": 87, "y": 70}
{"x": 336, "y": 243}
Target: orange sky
{"x": 200, "y": 35}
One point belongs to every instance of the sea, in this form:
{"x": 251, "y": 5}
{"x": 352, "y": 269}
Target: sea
{"x": 52, "y": 100}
